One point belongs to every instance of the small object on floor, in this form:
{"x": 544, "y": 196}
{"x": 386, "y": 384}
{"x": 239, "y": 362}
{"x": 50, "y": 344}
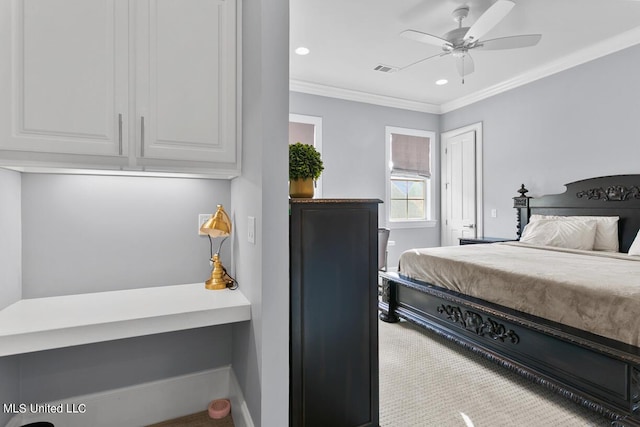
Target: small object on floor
{"x": 219, "y": 408}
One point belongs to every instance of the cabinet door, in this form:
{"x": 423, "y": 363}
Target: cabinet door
{"x": 186, "y": 80}
{"x": 66, "y": 86}
{"x": 333, "y": 308}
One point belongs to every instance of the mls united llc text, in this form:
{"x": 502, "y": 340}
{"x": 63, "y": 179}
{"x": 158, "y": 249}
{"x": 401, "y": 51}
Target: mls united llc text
{"x": 44, "y": 408}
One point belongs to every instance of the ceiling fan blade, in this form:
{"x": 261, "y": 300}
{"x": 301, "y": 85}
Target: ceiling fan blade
{"x": 464, "y": 64}
{"x": 512, "y": 42}
{"x": 424, "y": 38}
{"x": 422, "y": 60}
{"x": 488, "y": 20}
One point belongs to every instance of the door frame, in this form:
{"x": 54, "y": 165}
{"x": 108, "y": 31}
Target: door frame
{"x": 316, "y": 121}
{"x": 444, "y": 137}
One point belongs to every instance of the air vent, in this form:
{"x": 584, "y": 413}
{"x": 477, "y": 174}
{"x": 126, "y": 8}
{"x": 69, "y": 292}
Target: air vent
{"x": 385, "y": 68}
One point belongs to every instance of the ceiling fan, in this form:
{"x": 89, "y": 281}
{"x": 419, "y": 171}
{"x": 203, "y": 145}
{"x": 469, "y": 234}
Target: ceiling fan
{"x": 458, "y": 42}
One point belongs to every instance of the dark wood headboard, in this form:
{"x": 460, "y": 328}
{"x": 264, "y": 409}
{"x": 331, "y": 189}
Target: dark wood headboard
{"x": 617, "y": 195}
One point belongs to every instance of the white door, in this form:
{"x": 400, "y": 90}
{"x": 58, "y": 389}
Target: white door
{"x": 186, "y": 80}
{"x": 459, "y": 187}
{"x": 67, "y": 68}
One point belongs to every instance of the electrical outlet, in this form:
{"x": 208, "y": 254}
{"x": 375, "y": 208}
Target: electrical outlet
{"x": 391, "y": 243}
{"x": 251, "y": 230}
{"x": 202, "y": 218}
{"x": 494, "y": 213}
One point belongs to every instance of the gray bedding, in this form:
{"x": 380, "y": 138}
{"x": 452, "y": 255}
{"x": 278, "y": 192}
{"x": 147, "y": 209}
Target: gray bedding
{"x": 593, "y": 291}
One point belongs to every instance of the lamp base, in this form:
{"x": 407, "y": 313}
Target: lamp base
{"x": 219, "y": 278}
{"x": 214, "y": 284}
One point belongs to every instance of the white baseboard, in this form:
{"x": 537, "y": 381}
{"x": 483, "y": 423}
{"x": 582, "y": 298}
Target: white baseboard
{"x": 144, "y": 404}
{"x": 239, "y": 409}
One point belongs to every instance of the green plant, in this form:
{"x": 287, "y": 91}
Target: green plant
{"x": 304, "y": 162}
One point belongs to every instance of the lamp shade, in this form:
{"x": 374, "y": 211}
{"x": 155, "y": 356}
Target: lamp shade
{"x": 219, "y": 225}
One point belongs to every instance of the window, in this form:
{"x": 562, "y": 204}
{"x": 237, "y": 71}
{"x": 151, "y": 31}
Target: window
{"x": 308, "y": 130}
{"x": 409, "y": 201}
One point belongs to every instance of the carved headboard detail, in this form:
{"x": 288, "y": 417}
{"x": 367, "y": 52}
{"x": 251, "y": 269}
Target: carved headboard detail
{"x": 586, "y": 197}
{"x": 618, "y": 193}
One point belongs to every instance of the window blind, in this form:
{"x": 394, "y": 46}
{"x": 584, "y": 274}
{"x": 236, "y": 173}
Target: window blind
{"x": 410, "y": 154}
{"x": 302, "y": 132}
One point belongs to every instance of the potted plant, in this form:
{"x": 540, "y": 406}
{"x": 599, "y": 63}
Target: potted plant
{"x": 305, "y": 166}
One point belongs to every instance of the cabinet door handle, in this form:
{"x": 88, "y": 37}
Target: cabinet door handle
{"x": 141, "y": 136}
{"x": 120, "y": 134}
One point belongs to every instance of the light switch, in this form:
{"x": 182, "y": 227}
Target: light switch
{"x": 202, "y": 218}
{"x": 251, "y": 230}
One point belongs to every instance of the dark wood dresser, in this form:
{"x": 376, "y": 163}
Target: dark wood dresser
{"x": 333, "y": 313}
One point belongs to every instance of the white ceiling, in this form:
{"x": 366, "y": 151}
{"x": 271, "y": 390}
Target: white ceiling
{"x": 348, "y": 38}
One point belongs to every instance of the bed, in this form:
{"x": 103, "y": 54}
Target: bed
{"x": 587, "y": 349}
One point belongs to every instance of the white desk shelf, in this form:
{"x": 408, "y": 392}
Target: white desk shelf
{"x": 54, "y": 322}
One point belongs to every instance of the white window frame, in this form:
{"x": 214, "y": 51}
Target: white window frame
{"x": 430, "y": 182}
{"x": 317, "y": 142}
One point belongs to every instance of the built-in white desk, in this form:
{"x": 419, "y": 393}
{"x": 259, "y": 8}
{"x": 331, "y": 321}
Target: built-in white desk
{"x": 62, "y": 321}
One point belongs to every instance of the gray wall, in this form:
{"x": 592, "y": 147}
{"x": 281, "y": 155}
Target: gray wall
{"x": 96, "y": 233}
{"x": 74, "y": 371}
{"x": 10, "y": 237}
{"x": 576, "y": 124}
{"x": 10, "y": 276}
{"x": 353, "y": 152}
{"x": 261, "y": 348}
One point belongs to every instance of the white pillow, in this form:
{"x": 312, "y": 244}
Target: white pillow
{"x": 635, "y": 246}
{"x": 560, "y": 233}
{"x": 606, "y": 229}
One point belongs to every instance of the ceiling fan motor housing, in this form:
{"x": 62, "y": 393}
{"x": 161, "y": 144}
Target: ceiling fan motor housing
{"x": 455, "y": 37}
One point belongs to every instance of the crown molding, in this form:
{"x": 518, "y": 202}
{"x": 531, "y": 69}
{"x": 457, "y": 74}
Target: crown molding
{"x": 368, "y": 98}
{"x": 598, "y": 50}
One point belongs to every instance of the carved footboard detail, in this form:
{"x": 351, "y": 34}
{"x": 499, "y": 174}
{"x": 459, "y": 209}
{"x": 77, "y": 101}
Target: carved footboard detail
{"x": 386, "y": 291}
{"x": 387, "y": 303}
{"x": 475, "y": 323}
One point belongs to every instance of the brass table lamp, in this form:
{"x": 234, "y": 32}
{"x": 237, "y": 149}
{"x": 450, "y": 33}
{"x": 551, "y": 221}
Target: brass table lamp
{"x": 219, "y": 225}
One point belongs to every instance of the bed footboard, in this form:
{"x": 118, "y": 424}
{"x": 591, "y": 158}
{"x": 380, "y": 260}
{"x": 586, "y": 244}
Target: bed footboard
{"x": 556, "y": 356}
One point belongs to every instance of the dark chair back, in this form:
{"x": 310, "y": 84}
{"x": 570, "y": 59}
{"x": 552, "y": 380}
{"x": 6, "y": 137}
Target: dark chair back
{"x": 383, "y": 239}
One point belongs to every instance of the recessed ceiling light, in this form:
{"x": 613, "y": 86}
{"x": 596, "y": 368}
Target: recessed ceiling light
{"x": 302, "y": 50}
{"x": 442, "y": 82}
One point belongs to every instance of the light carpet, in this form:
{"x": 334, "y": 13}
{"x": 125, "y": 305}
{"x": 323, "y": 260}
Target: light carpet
{"x": 425, "y": 380}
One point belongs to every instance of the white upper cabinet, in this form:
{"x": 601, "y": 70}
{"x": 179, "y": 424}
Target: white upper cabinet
{"x": 69, "y": 65}
{"x": 122, "y": 84}
{"x": 183, "y": 56}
